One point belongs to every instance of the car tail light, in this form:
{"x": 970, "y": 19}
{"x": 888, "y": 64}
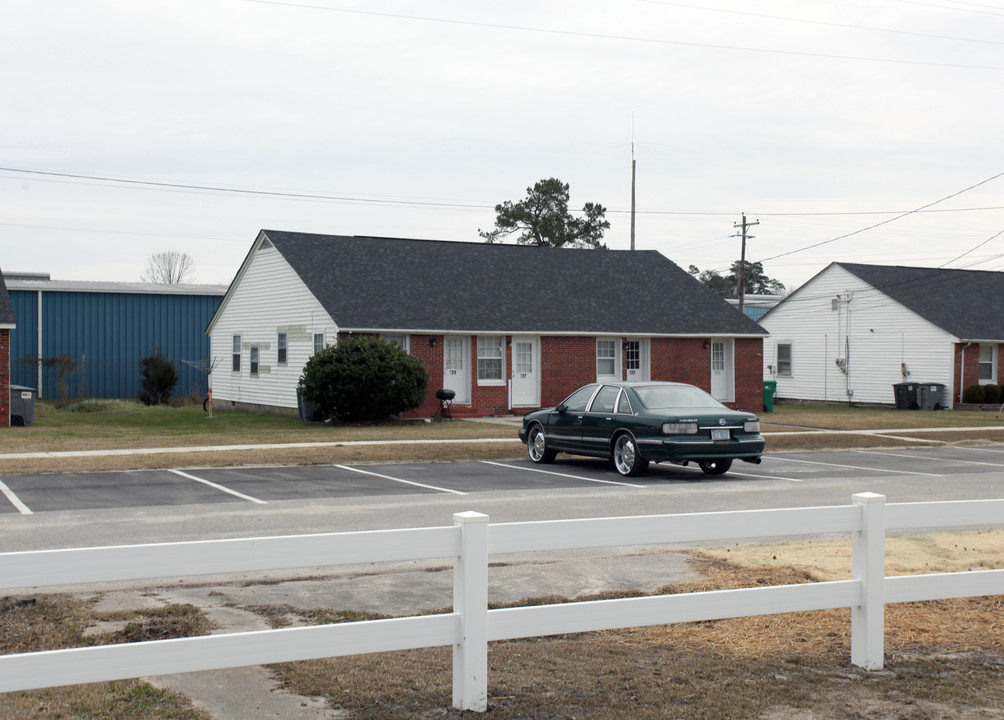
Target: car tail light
{"x": 686, "y": 428}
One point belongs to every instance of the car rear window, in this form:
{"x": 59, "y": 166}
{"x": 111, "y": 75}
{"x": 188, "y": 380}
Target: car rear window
{"x": 657, "y": 397}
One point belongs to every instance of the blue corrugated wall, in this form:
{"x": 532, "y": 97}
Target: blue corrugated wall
{"x": 107, "y": 334}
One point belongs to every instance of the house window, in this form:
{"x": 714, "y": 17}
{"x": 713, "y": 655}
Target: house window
{"x": 633, "y": 357}
{"x": 490, "y": 360}
{"x": 236, "y": 366}
{"x": 254, "y": 359}
{"x": 318, "y": 342}
{"x": 718, "y": 357}
{"x": 281, "y": 344}
{"x": 523, "y": 358}
{"x": 988, "y": 363}
{"x": 399, "y": 340}
{"x": 784, "y": 359}
{"x": 606, "y": 358}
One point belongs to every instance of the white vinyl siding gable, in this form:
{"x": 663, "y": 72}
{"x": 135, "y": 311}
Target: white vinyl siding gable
{"x": 267, "y": 299}
{"x": 874, "y": 343}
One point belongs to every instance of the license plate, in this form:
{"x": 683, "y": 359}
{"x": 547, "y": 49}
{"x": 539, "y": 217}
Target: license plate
{"x": 719, "y": 434}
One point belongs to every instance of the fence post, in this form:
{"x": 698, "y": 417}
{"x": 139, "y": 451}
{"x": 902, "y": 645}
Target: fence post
{"x": 868, "y": 568}
{"x": 470, "y": 601}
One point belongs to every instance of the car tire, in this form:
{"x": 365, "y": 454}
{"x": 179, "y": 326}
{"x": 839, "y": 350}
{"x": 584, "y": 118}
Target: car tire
{"x": 627, "y": 457}
{"x": 536, "y": 446}
{"x": 715, "y": 467}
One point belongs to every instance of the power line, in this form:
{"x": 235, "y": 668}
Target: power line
{"x": 160, "y": 185}
{"x": 621, "y": 38}
{"x": 320, "y": 196}
{"x": 883, "y": 222}
{"x": 843, "y": 26}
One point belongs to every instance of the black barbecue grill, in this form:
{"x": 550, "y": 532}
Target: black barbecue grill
{"x": 445, "y": 397}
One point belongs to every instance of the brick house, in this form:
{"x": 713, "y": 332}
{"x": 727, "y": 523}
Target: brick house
{"x": 507, "y": 328}
{"x": 7, "y": 323}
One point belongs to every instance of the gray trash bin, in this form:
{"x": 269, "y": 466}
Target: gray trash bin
{"x": 931, "y": 396}
{"x": 22, "y": 405}
{"x": 308, "y": 413}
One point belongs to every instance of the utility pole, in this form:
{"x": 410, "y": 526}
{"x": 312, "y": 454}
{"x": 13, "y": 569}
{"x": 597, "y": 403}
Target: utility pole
{"x": 632, "y": 181}
{"x": 742, "y": 258}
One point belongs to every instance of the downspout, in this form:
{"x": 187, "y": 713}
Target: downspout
{"x": 962, "y": 371}
{"x": 38, "y": 354}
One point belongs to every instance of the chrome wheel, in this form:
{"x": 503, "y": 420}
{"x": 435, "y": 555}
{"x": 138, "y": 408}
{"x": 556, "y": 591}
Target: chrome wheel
{"x": 627, "y": 458}
{"x": 536, "y": 446}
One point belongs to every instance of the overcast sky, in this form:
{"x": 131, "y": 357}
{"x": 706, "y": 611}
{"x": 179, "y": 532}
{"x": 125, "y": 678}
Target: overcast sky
{"x": 132, "y": 127}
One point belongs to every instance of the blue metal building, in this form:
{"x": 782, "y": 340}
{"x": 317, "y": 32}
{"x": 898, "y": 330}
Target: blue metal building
{"x": 86, "y": 339}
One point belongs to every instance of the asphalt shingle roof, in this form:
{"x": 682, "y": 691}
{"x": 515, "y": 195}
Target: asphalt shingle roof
{"x": 7, "y": 316}
{"x": 966, "y": 303}
{"x": 390, "y": 283}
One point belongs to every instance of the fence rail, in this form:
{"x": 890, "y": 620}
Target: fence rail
{"x": 471, "y": 626}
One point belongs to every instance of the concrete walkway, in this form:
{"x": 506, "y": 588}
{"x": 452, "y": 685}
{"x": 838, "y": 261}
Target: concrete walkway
{"x": 894, "y": 433}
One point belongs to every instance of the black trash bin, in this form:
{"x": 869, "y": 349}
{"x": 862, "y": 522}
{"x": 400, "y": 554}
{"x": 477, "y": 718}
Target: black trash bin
{"x": 906, "y": 395}
{"x": 931, "y": 396}
{"x": 22, "y": 405}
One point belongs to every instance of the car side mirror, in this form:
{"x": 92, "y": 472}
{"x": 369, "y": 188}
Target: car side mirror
{"x": 561, "y": 407}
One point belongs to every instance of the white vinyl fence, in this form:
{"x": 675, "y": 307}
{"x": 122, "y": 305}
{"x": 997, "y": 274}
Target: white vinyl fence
{"x": 471, "y": 626}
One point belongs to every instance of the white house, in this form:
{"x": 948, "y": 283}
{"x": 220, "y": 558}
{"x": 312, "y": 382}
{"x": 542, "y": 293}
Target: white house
{"x": 854, "y": 331}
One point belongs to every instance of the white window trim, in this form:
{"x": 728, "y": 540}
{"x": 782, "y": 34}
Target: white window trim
{"x": 403, "y": 340}
{"x": 992, "y": 380}
{"x": 314, "y": 340}
{"x": 254, "y": 366}
{"x": 282, "y": 348}
{"x": 791, "y": 359}
{"x": 484, "y": 344}
{"x": 235, "y": 353}
{"x": 617, "y": 359}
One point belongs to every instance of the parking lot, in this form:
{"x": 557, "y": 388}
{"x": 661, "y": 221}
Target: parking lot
{"x": 930, "y": 473}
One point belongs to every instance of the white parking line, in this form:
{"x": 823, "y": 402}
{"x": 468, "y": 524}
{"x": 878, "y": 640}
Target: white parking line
{"x": 914, "y": 457}
{"x": 981, "y": 449}
{"x": 855, "y": 467}
{"x": 399, "y": 480}
{"x": 15, "y": 500}
{"x": 221, "y": 488}
{"x": 764, "y": 477}
{"x": 564, "y": 475}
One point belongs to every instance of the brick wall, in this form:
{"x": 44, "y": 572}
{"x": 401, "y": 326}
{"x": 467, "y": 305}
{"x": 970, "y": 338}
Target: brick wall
{"x": 971, "y": 376}
{"x": 567, "y": 363}
{"x": 749, "y": 375}
{"x": 4, "y": 378}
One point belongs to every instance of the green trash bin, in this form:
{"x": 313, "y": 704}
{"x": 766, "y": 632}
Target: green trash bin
{"x": 769, "y": 389}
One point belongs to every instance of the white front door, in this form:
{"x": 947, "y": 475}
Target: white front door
{"x": 637, "y": 360}
{"x": 525, "y": 372}
{"x": 456, "y": 367}
{"x": 722, "y": 372}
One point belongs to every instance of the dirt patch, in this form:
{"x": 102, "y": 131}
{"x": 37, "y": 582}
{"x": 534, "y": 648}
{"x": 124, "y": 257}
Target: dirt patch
{"x": 944, "y": 659}
{"x": 48, "y": 622}
{"x": 831, "y": 560}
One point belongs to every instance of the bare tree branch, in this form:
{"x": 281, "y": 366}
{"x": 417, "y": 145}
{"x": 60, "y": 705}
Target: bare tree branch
{"x": 171, "y": 267}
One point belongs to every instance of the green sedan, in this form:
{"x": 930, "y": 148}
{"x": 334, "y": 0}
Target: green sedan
{"x": 637, "y": 423}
